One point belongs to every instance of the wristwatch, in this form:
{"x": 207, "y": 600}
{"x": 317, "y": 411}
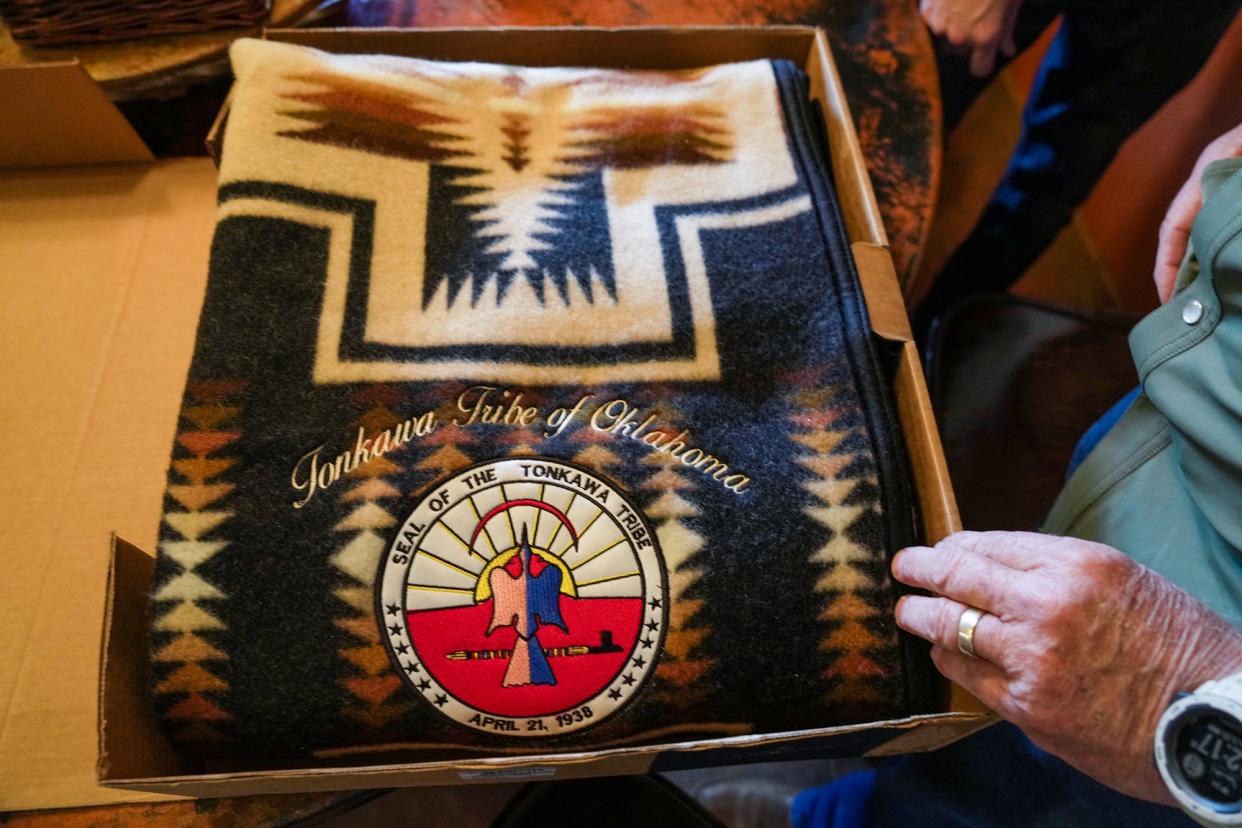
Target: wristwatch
{"x": 1199, "y": 751}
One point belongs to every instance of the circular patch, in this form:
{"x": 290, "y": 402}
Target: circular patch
{"x": 524, "y": 597}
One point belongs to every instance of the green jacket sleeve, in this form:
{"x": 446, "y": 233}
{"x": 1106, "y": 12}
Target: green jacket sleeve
{"x": 1189, "y": 357}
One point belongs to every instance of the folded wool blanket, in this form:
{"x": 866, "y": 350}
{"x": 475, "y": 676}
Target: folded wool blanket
{"x": 530, "y": 409}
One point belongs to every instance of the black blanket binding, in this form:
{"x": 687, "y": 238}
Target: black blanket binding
{"x": 531, "y": 409}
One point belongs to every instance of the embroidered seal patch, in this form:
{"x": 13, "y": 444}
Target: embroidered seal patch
{"x": 525, "y": 597}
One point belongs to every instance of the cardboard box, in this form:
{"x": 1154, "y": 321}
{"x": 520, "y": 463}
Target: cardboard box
{"x": 105, "y": 268}
{"x": 56, "y": 115}
{"x": 133, "y": 752}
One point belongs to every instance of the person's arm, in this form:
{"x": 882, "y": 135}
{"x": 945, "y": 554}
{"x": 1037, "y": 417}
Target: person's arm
{"x": 981, "y": 27}
{"x": 1175, "y": 229}
{"x": 1189, "y": 352}
{"x": 1082, "y": 648}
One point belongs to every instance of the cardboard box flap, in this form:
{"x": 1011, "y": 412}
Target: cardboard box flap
{"x": 135, "y": 754}
{"x": 127, "y": 748}
{"x": 56, "y": 115}
{"x": 885, "y": 306}
{"x": 632, "y": 47}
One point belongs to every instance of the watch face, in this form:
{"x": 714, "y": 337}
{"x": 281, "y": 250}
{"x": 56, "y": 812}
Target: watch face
{"x": 1207, "y": 756}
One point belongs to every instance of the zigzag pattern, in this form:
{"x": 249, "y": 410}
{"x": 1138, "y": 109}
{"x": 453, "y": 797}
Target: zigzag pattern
{"x": 521, "y": 442}
{"x": 365, "y": 525}
{"x": 596, "y": 455}
{"x": 839, "y": 475}
{"x": 370, "y": 117}
{"x": 449, "y": 455}
{"x": 633, "y": 137}
{"x": 205, "y": 429}
{"x": 671, "y": 488}
{"x": 517, "y": 152}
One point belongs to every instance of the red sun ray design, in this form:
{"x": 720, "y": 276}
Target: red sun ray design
{"x": 510, "y": 504}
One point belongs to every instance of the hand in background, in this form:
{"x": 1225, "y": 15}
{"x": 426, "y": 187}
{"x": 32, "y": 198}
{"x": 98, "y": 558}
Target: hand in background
{"x": 982, "y": 27}
{"x": 1082, "y": 647}
{"x": 1175, "y": 229}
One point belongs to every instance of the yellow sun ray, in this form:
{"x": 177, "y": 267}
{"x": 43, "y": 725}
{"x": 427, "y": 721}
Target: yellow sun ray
{"x": 559, "y": 525}
{"x": 586, "y": 561}
{"x": 486, "y": 532}
{"x": 443, "y": 562}
{"x": 508, "y": 514}
{"x": 442, "y": 524}
{"x": 454, "y": 590}
{"x": 609, "y": 578}
{"x": 581, "y": 535}
{"x": 534, "y": 535}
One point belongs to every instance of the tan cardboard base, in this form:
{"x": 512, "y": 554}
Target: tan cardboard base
{"x": 103, "y": 274}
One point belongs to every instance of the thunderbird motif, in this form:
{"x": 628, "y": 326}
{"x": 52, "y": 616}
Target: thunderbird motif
{"x": 526, "y": 601}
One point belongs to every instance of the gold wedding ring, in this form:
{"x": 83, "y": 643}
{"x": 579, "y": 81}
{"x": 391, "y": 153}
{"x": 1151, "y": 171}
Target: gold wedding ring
{"x": 966, "y": 630}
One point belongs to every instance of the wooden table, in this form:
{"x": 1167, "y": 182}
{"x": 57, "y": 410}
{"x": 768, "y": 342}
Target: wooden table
{"x": 888, "y": 69}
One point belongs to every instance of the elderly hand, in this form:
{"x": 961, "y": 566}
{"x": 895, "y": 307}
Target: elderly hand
{"x": 1082, "y": 648}
{"x": 982, "y": 26}
{"x": 1175, "y": 229}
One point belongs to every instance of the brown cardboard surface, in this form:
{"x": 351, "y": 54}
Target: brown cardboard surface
{"x": 879, "y": 281}
{"x": 123, "y": 710}
{"x": 102, "y": 277}
{"x": 54, "y": 115}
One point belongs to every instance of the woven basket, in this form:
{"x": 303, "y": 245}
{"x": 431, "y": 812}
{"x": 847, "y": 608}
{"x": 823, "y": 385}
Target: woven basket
{"x": 61, "y": 22}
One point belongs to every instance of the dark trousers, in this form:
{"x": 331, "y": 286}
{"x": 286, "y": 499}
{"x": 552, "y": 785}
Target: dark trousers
{"x": 998, "y": 778}
{"x": 1112, "y": 64}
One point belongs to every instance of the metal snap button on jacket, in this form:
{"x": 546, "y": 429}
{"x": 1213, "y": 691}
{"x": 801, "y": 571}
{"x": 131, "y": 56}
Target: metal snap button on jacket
{"x": 1192, "y": 312}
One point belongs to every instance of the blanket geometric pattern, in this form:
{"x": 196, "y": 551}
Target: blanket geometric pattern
{"x": 531, "y": 408}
